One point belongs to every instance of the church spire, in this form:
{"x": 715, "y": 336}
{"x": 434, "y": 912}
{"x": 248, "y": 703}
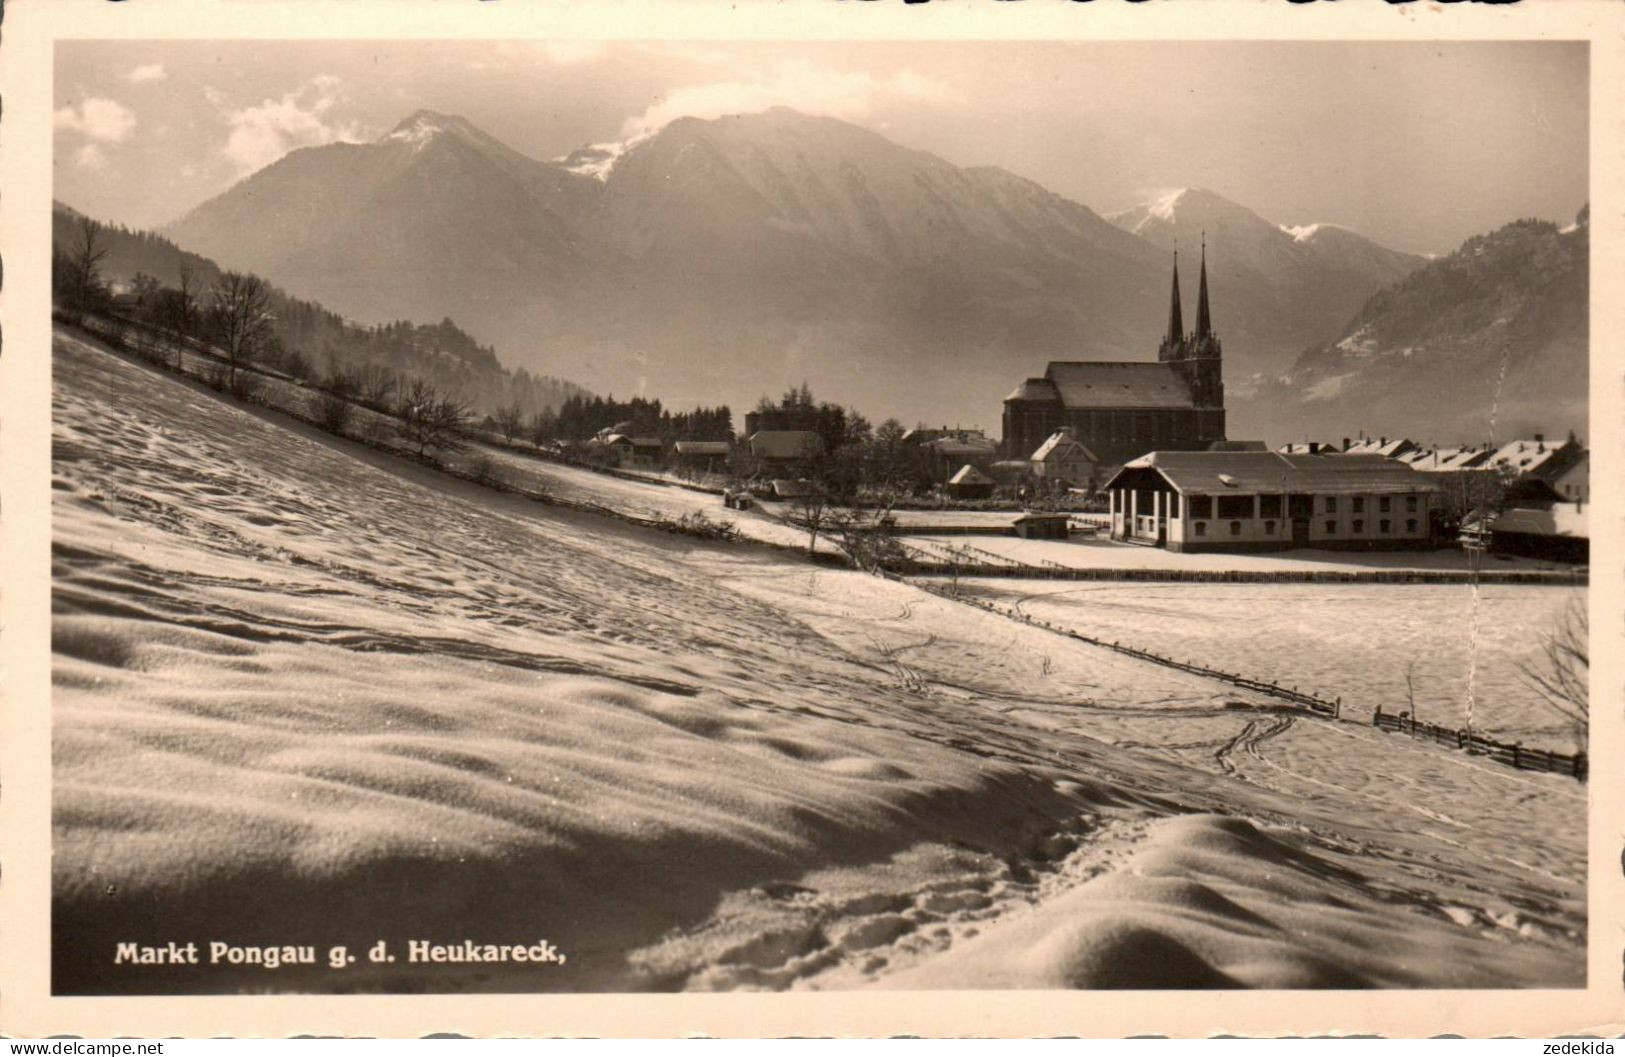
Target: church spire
{"x": 1176, "y": 317}
{"x": 1204, "y": 323}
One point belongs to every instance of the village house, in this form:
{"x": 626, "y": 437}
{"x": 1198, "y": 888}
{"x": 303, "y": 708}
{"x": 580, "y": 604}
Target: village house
{"x": 785, "y": 452}
{"x": 1206, "y": 501}
{"x": 1547, "y": 461}
{"x": 949, "y": 453}
{"x": 1063, "y": 459}
{"x": 642, "y": 453}
{"x": 701, "y": 456}
{"x": 925, "y": 435}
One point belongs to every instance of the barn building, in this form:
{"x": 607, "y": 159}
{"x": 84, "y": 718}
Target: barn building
{"x": 1120, "y": 411}
{"x": 1264, "y": 500}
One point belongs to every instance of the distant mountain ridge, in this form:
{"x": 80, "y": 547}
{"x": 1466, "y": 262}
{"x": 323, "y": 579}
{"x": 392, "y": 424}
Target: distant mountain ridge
{"x": 717, "y": 260}
{"x": 442, "y": 353}
{"x": 1489, "y": 342}
{"x": 1300, "y": 277}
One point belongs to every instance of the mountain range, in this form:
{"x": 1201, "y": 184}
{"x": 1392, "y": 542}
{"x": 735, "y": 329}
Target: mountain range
{"x": 718, "y": 260}
{"x": 1489, "y": 342}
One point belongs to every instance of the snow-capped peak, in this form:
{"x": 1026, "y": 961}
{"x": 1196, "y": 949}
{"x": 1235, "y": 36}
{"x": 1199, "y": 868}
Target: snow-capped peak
{"x": 1165, "y": 207}
{"x": 423, "y": 126}
{"x": 597, "y": 160}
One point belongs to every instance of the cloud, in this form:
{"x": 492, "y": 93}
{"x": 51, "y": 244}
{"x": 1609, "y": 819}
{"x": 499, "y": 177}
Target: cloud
{"x": 151, "y": 72}
{"x": 90, "y": 156}
{"x": 800, "y": 86}
{"x": 101, "y": 119}
{"x": 304, "y": 117}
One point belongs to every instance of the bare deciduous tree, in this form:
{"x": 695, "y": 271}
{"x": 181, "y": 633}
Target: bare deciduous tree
{"x": 85, "y": 265}
{"x": 430, "y": 420}
{"x": 331, "y": 404}
{"x": 375, "y": 384}
{"x": 241, "y": 311}
{"x": 509, "y": 421}
{"x": 1562, "y": 674}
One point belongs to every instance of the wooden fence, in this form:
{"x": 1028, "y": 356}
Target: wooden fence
{"x": 1011, "y": 569}
{"x": 1512, "y": 754}
{"x": 1331, "y": 708}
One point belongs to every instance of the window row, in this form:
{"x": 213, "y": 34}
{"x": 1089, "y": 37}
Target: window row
{"x": 1357, "y": 526}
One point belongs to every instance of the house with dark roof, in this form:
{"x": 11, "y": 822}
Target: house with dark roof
{"x": 1265, "y": 500}
{"x": 701, "y": 456}
{"x": 785, "y": 452}
{"x": 1122, "y": 410}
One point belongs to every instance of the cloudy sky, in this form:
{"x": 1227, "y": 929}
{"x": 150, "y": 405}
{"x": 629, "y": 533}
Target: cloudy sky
{"x": 1417, "y": 145}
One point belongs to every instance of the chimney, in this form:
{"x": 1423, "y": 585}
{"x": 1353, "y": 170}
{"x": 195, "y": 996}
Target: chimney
{"x": 1346, "y": 443}
{"x": 1383, "y": 443}
{"x": 1540, "y": 438}
{"x": 1314, "y": 447}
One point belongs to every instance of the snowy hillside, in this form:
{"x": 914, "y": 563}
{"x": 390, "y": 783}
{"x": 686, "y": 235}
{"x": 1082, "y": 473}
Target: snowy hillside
{"x": 308, "y": 693}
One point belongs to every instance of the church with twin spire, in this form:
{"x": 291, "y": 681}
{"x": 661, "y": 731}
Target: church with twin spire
{"x": 1122, "y": 410}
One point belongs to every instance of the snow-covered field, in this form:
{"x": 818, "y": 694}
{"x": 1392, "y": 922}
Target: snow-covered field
{"x": 1445, "y": 647}
{"x": 1103, "y": 553}
{"x": 310, "y": 694}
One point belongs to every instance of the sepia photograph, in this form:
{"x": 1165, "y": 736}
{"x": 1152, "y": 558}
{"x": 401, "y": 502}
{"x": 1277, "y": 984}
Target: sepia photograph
{"x": 560, "y": 515}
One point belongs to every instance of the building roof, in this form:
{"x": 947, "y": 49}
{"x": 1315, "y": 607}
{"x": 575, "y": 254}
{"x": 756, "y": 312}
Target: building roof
{"x": 1541, "y": 457}
{"x": 1448, "y": 460}
{"x": 786, "y": 443}
{"x": 1238, "y": 445}
{"x": 1062, "y": 445}
{"x": 1305, "y": 447}
{"x": 1266, "y": 472}
{"x": 927, "y": 434}
{"x": 1037, "y": 389}
{"x": 702, "y": 447}
{"x": 1391, "y": 449}
{"x": 1110, "y": 385}
{"x": 1563, "y": 520}
{"x": 787, "y": 489}
{"x": 969, "y": 474}
{"x": 952, "y": 448}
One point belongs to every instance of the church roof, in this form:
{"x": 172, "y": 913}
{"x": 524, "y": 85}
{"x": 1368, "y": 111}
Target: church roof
{"x": 1126, "y": 385}
{"x": 1035, "y": 389}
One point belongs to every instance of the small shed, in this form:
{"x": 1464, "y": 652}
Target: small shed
{"x": 970, "y": 483}
{"x": 788, "y": 490}
{"x": 1043, "y": 526}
